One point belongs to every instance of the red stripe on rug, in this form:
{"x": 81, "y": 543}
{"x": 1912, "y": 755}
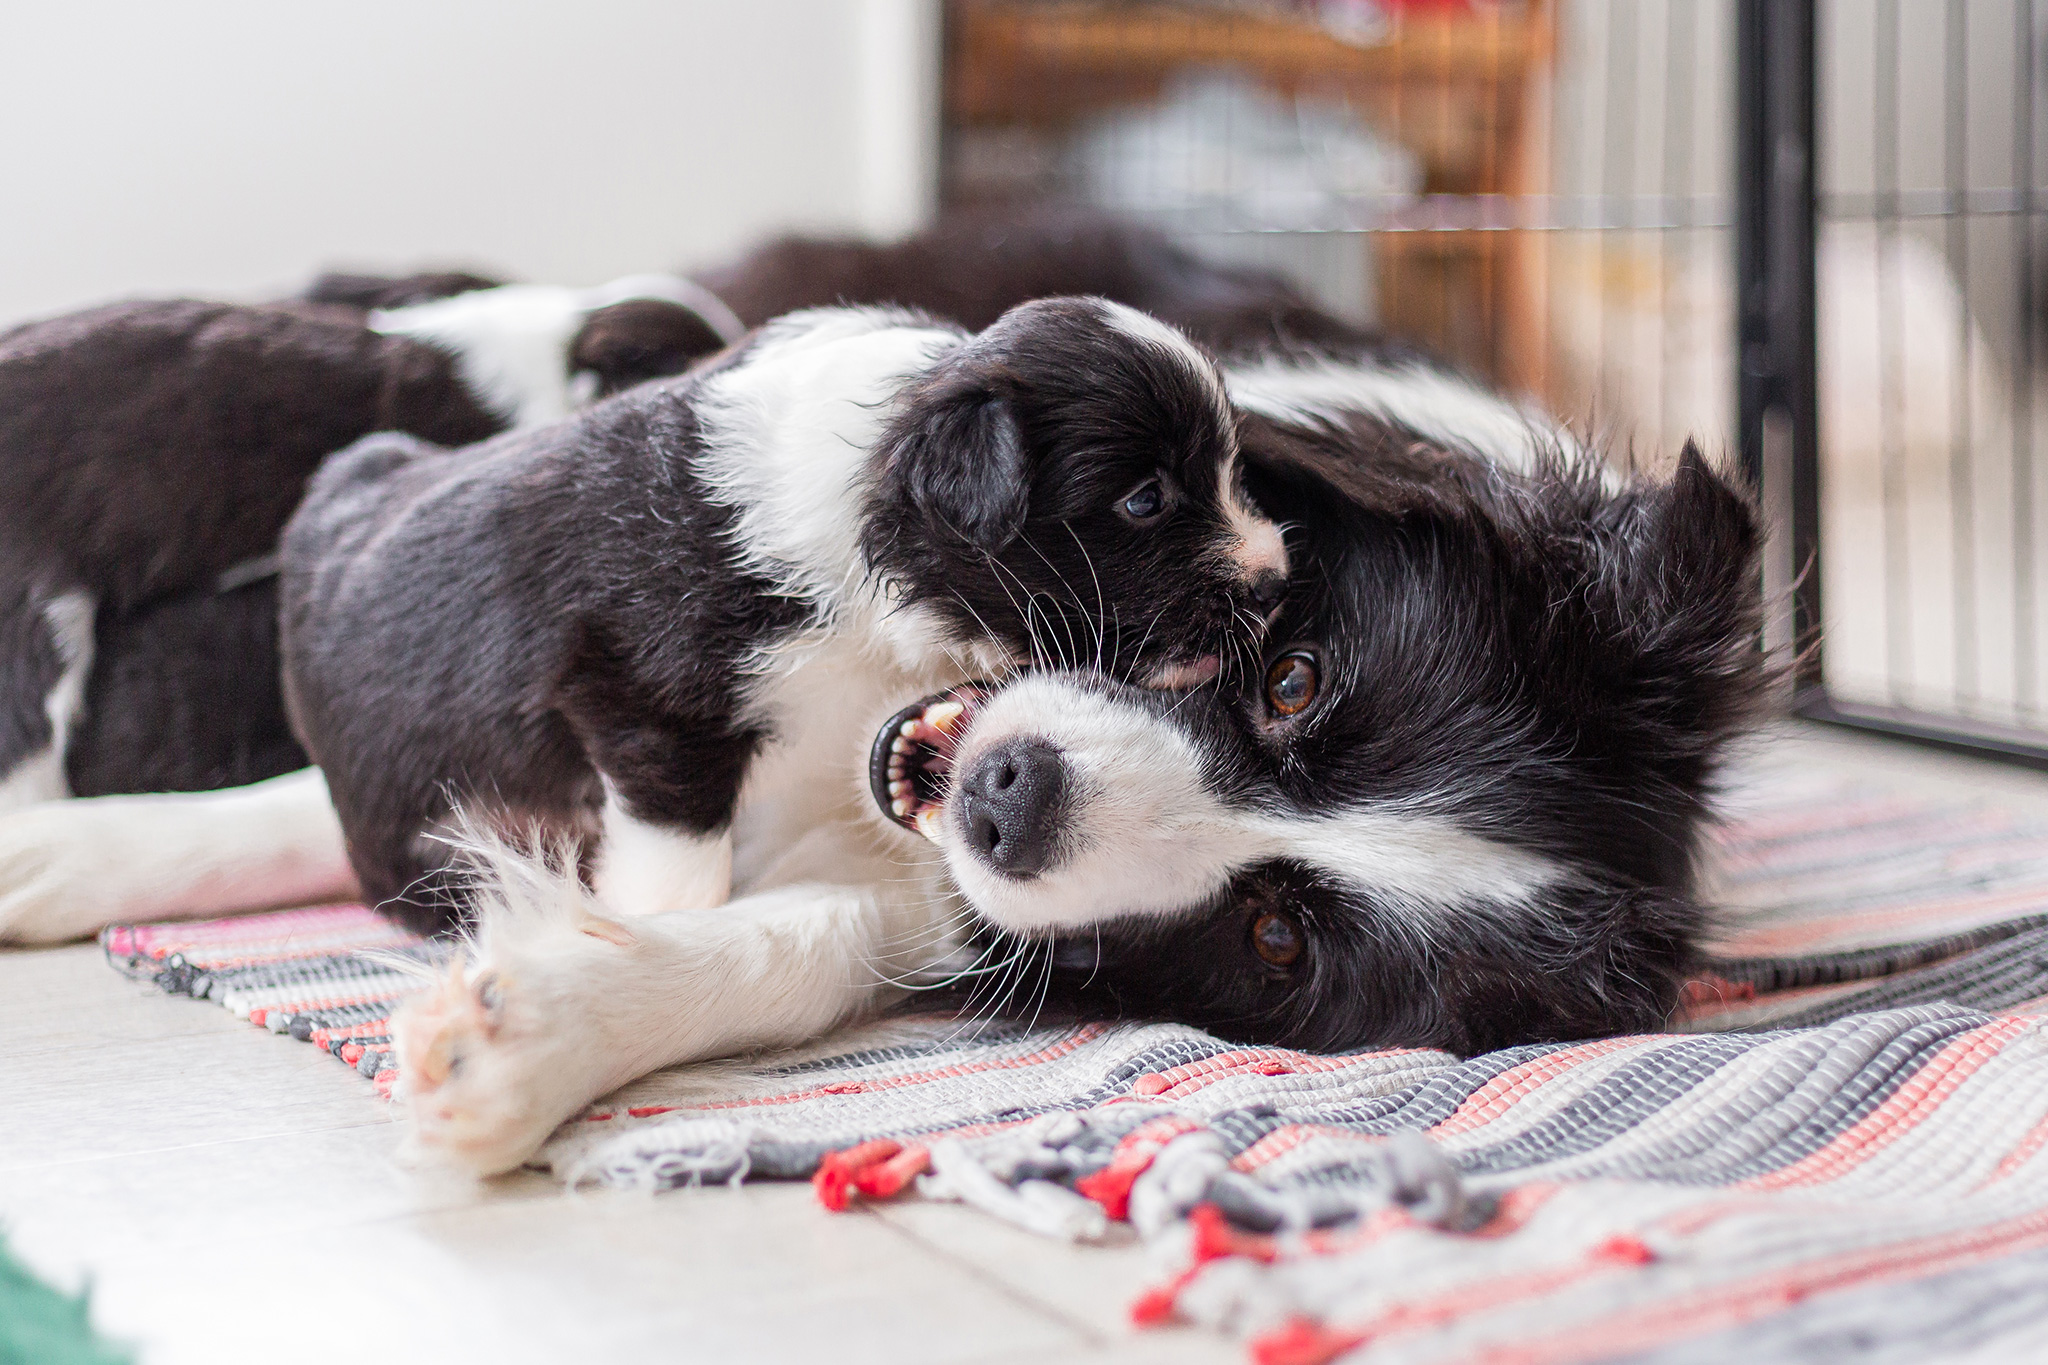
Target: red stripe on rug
{"x": 1651, "y": 1325}
{"x": 1505, "y": 1091}
{"x": 1930, "y": 915}
{"x": 1921, "y": 1095}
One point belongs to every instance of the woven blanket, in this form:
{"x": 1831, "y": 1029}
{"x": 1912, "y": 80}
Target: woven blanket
{"x": 1835, "y": 1154}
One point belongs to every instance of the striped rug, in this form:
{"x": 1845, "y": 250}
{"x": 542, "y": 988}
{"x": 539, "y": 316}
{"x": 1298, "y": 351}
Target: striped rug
{"x": 1835, "y": 1154}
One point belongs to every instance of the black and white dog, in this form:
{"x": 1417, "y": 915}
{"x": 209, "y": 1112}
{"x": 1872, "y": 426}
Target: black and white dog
{"x": 1454, "y": 802}
{"x": 612, "y": 629}
{"x": 1457, "y": 803}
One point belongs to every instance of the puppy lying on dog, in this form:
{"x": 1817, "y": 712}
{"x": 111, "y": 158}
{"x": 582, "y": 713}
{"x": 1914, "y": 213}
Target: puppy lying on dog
{"x": 1457, "y": 804}
{"x": 1454, "y": 802}
{"x": 621, "y": 629}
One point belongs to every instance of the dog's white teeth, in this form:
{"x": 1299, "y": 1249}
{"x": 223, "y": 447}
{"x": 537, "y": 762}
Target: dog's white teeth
{"x": 900, "y": 806}
{"x": 942, "y": 716}
{"x": 900, "y": 745}
{"x": 899, "y": 788}
{"x": 928, "y": 823}
{"x": 907, "y": 729}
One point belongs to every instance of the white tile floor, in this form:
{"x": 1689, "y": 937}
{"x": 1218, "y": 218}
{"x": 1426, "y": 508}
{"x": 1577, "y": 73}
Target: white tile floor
{"x": 232, "y": 1197}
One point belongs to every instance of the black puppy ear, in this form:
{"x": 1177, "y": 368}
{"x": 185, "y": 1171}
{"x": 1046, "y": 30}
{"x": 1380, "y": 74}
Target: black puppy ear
{"x": 393, "y": 291}
{"x": 1701, "y": 536}
{"x": 1692, "y": 597}
{"x": 641, "y": 339}
{"x": 958, "y": 459}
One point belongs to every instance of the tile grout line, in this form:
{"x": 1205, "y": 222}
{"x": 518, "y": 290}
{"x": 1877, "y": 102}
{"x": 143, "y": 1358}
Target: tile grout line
{"x": 105, "y": 1044}
{"x": 31, "y": 1166}
{"x": 975, "y": 1270}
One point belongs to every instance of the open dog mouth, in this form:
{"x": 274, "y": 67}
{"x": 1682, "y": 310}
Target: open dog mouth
{"x": 910, "y": 767}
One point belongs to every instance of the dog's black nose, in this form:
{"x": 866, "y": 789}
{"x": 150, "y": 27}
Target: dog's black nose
{"x": 1013, "y": 797}
{"x": 1267, "y": 589}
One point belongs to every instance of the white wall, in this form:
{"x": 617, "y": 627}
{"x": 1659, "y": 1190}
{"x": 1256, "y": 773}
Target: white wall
{"x": 229, "y": 147}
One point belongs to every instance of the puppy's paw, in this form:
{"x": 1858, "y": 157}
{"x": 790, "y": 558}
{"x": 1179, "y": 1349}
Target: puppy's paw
{"x": 499, "y": 1054}
{"x": 61, "y": 874}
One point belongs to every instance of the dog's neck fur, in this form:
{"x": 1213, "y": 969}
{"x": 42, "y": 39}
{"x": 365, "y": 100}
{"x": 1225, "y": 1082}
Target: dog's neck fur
{"x": 789, "y": 435}
{"x": 789, "y": 430}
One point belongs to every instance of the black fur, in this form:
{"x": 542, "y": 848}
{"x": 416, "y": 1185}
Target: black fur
{"x": 367, "y": 292}
{"x": 1002, "y": 511}
{"x": 173, "y": 702}
{"x": 528, "y": 612}
{"x": 1555, "y": 666}
{"x": 496, "y": 627}
{"x": 973, "y": 266}
{"x": 145, "y": 448}
{"x": 639, "y": 340}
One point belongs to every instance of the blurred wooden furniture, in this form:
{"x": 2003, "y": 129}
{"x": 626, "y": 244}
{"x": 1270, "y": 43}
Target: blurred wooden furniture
{"x": 1458, "y": 85}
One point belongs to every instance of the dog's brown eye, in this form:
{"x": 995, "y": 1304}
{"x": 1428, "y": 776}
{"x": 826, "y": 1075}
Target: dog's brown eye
{"x": 1291, "y": 683}
{"x": 1144, "y": 502}
{"x": 1276, "y": 938}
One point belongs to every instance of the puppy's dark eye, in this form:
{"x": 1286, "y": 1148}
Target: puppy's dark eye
{"x": 1145, "y": 502}
{"x": 1277, "y": 938}
{"x": 1291, "y": 683}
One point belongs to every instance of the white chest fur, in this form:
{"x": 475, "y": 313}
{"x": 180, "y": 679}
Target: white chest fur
{"x": 787, "y": 441}
{"x": 804, "y": 812}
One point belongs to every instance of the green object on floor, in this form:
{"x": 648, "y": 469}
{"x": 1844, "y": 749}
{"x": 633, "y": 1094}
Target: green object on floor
{"x": 39, "y": 1326}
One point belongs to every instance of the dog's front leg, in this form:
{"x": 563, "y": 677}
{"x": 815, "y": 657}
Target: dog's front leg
{"x": 671, "y": 782}
{"x": 645, "y": 867}
{"x": 558, "y": 1005}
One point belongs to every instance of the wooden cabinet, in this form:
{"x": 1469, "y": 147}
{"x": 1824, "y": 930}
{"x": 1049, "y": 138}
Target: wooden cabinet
{"x": 1460, "y": 86}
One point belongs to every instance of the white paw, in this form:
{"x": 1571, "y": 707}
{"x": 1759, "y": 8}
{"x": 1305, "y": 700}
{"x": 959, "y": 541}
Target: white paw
{"x": 61, "y": 874}
{"x": 500, "y": 1052}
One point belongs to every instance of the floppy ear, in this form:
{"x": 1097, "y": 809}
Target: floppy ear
{"x": 641, "y": 339}
{"x": 956, "y": 455}
{"x": 393, "y": 291}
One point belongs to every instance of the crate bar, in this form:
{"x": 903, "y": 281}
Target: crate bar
{"x": 1778, "y": 372}
{"x": 1777, "y": 344}
{"x": 2025, "y": 667}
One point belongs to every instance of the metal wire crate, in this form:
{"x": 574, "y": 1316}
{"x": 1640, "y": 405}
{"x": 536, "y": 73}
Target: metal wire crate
{"x": 1800, "y": 231}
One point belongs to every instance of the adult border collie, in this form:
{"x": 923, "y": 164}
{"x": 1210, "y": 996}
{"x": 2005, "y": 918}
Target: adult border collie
{"x": 618, "y": 630}
{"x": 150, "y": 452}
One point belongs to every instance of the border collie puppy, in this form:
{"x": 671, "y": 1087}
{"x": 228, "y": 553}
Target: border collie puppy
{"x": 625, "y": 627}
{"x": 1456, "y": 805}
{"x": 146, "y": 449}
